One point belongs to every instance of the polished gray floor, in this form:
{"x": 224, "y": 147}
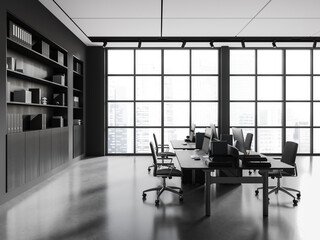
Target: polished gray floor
{"x": 100, "y": 198}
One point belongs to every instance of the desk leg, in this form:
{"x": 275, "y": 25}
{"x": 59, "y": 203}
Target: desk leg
{"x": 207, "y": 192}
{"x": 265, "y": 197}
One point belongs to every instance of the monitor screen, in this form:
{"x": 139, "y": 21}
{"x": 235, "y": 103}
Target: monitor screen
{"x": 192, "y": 132}
{"x": 238, "y": 138}
{"x": 214, "y": 131}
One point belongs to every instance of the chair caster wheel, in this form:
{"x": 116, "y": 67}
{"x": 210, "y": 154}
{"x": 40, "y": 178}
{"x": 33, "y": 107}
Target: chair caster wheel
{"x": 181, "y": 199}
{"x": 181, "y": 191}
{"x": 298, "y": 195}
{"x": 295, "y": 202}
{"x": 149, "y": 169}
{"x": 144, "y": 196}
{"x": 257, "y": 192}
{"x": 156, "y": 202}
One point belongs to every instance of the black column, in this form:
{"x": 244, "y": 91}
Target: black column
{"x": 224, "y": 96}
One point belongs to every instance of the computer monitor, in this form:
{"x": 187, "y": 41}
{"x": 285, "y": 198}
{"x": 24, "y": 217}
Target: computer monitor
{"x": 206, "y": 140}
{"x": 238, "y": 138}
{"x": 192, "y": 133}
{"x": 214, "y": 131}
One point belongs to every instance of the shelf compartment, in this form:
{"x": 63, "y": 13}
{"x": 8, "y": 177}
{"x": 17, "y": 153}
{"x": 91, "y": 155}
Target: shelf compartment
{"x": 34, "y": 54}
{"x": 34, "y": 79}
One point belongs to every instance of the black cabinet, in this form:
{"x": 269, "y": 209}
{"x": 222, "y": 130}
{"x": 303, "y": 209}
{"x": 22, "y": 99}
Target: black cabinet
{"x": 45, "y": 151}
{"x": 32, "y": 155}
{"x": 78, "y": 141}
{"x": 16, "y": 160}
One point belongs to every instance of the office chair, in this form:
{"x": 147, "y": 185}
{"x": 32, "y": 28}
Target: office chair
{"x": 289, "y": 157}
{"x": 165, "y": 172}
{"x": 247, "y": 144}
{"x": 163, "y": 156}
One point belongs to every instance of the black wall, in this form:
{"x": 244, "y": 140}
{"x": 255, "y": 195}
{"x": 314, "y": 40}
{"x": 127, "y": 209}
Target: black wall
{"x": 34, "y": 14}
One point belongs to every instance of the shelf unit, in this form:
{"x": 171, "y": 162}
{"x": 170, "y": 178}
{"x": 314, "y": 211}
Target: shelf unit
{"x": 37, "y": 86}
{"x": 78, "y": 116}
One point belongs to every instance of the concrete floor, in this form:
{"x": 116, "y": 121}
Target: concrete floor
{"x": 100, "y": 198}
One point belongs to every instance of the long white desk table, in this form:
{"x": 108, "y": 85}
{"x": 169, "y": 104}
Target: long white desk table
{"x": 186, "y": 162}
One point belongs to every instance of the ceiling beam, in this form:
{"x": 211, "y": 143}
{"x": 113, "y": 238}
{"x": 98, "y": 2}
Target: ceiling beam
{"x": 204, "y": 39}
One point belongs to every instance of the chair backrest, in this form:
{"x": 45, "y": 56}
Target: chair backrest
{"x": 289, "y": 154}
{"x": 206, "y": 140}
{"x": 248, "y": 141}
{"x": 154, "y": 158}
{"x": 156, "y": 144}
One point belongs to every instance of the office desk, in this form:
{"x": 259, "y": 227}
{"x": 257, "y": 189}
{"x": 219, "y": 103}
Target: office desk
{"x": 181, "y": 144}
{"x": 186, "y": 162}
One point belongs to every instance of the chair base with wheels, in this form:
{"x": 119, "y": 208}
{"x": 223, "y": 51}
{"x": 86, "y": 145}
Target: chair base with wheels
{"x": 276, "y": 189}
{"x": 164, "y": 172}
{"x": 160, "y": 189}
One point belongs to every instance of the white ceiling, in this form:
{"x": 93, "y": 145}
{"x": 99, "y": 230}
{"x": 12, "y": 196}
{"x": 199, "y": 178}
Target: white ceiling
{"x": 191, "y": 18}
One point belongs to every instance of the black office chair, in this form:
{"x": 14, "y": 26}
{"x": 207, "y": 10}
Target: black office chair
{"x": 164, "y": 172}
{"x": 162, "y": 156}
{"x": 288, "y": 156}
{"x": 247, "y": 144}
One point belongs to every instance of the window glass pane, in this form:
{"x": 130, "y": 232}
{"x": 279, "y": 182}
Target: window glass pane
{"x": 298, "y": 114}
{"x": 148, "y": 61}
{"x": 204, "y": 113}
{"x": 148, "y": 114}
{"x": 300, "y": 136}
{"x": 176, "y": 114}
{"x": 120, "y": 61}
{"x": 316, "y": 88}
{"x": 176, "y": 88}
{"x": 242, "y": 88}
{"x": 120, "y": 88}
{"x": 316, "y": 114}
{"x": 269, "y": 140}
{"x": 316, "y": 140}
{"x": 176, "y": 62}
{"x": 175, "y": 133}
{"x": 269, "y": 114}
{"x": 143, "y": 138}
{"x": 120, "y": 114}
{"x": 242, "y": 114}
{"x": 316, "y": 61}
{"x": 298, "y": 61}
{"x": 298, "y": 88}
{"x": 204, "y": 88}
{"x": 120, "y": 140}
{"x": 204, "y": 61}
{"x": 269, "y": 88}
{"x": 269, "y": 61}
{"x": 148, "y": 88}
{"x": 242, "y": 61}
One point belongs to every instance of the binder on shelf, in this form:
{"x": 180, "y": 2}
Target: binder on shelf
{"x": 59, "y": 99}
{"x": 57, "y": 121}
{"x": 11, "y": 63}
{"x": 35, "y": 95}
{"x": 42, "y": 48}
{"x": 22, "y": 96}
{"x": 19, "y": 35}
{"x": 37, "y": 122}
{"x": 59, "y": 78}
{"x": 57, "y": 56}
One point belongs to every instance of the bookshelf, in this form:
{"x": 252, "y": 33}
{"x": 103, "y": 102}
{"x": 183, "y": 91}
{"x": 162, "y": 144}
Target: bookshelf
{"x": 37, "y": 104}
{"x": 78, "y": 120}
